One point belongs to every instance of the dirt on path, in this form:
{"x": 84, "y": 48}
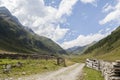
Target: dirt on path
{"x": 67, "y": 73}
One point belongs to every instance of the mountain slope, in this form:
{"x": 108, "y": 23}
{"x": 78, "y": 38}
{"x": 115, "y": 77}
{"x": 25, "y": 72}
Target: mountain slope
{"x": 106, "y": 48}
{"x": 16, "y": 38}
{"x": 79, "y": 49}
{"x": 76, "y": 50}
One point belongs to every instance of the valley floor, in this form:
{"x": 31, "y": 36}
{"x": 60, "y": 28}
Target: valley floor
{"x": 67, "y": 73}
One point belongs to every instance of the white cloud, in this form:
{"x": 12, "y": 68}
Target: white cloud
{"x": 65, "y": 7}
{"x": 55, "y": 33}
{"x": 87, "y": 1}
{"x": 107, "y": 8}
{"x": 113, "y": 15}
{"x": 44, "y": 20}
{"x": 83, "y": 40}
{"x": 93, "y": 2}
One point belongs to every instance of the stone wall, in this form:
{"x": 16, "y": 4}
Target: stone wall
{"x": 110, "y": 70}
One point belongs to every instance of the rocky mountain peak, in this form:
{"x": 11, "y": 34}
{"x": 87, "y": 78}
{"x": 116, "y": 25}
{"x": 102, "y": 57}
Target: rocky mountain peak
{"x": 4, "y": 10}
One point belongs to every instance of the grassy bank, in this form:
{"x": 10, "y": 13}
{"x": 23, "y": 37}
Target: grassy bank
{"x": 111, "y": 56}
{"x": 29, "y": 67}
{"x": 90, "y": 74}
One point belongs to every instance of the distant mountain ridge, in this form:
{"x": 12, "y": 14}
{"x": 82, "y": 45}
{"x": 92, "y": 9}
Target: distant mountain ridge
{"x": 17, "y": 38}
{"x": 79, "y": 49}
{"x": 107, "y": 43}
{"x": 76, "y": 50}
{"x": 107, "y": 48}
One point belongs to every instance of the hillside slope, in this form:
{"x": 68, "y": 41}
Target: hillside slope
{"x": 107, "y": 48}
{"x": 16, "y": 38}
{"x": 76, "y": 50}
{"x": 79, "y": 49}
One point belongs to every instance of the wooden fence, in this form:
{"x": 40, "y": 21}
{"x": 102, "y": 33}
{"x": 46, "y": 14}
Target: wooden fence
{"x": 110, "y": 70}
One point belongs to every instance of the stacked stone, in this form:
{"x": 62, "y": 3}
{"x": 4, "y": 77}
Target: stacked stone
{"x": 93, "y": 63}
{"x": 115, "y": 73}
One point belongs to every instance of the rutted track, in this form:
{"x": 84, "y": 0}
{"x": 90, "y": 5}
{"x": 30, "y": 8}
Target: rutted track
{"x": 67, "y": 73}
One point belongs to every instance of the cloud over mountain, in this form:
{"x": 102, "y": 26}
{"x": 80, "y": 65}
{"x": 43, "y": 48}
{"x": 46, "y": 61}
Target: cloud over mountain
{"x": 44, "y": 20}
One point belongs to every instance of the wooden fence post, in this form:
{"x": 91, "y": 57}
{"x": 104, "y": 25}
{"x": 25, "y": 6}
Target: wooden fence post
{"x": 61, "y": 61}
{"x": 58, "y": 61}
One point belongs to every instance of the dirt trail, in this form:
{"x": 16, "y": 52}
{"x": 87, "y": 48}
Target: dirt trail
{"x": 67, "y": 73}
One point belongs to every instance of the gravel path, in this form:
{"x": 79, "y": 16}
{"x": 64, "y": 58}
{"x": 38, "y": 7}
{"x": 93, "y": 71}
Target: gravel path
{"x": 67, "y": 73}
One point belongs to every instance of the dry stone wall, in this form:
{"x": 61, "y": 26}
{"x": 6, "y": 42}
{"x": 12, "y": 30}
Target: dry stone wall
{"x": 110, "y": 70}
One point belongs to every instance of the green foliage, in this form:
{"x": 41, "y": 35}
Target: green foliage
{"x": 29, "y": 67}
{"x": 90, "y": 74}
{"x": 111, "y": 56}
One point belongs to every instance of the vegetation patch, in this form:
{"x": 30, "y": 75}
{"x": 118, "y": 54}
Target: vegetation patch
{"x": 28, "y": 67}
{"x": 90, "y": 74}
{"x": 110, "y": 56}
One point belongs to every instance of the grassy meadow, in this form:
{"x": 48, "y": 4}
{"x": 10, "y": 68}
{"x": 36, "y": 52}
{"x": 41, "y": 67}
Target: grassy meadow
{"x": 90, "y": 74}
{"x": 110, "y": 56}
{"x": 29, "y": 67}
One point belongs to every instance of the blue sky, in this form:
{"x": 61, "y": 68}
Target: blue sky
{"x": 85, "y": 19}
{"x": 68, "y": 22}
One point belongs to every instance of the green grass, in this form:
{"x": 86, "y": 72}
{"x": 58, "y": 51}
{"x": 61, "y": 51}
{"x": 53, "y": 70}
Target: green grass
{"x": 90, "y": 74}
{"x": 29, "y": 67}
{"x": 110, "y": 56}
{"x": 78, "y": 58}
